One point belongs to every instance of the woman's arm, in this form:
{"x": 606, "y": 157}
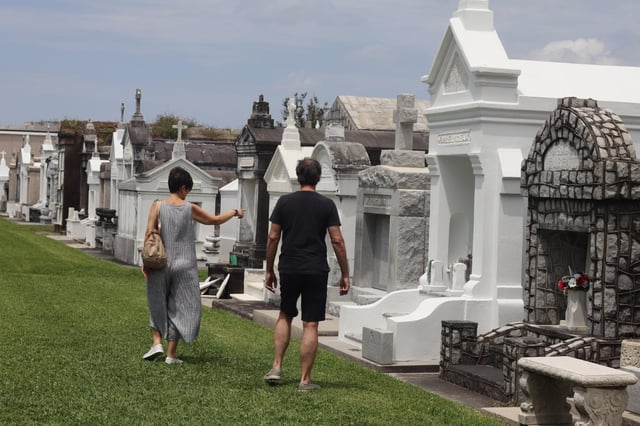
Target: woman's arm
{"x": 200, "y": 215}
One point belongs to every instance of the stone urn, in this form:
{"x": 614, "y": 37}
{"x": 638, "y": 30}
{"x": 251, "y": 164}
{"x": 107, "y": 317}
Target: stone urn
{"x": 576, "y": 313}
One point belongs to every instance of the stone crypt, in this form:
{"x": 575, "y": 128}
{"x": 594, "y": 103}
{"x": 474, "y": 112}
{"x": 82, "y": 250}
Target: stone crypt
{"x": 582, "y": 179}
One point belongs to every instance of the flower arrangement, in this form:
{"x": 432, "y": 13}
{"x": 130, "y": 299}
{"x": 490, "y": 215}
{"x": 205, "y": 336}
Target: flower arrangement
{"x": 574, "y": 281}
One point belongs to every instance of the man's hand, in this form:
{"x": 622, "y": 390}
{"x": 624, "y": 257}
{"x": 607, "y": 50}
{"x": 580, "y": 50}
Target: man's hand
{"x": 270, "y": 281}
{"x": 345, "y": 285}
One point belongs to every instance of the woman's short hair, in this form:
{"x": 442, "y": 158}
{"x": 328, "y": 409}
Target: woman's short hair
{"x": 179, "y": 177}
{"x": 308, "y": 171}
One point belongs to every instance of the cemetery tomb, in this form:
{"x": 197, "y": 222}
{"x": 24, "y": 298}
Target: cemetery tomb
{"x": 582, "y": 178}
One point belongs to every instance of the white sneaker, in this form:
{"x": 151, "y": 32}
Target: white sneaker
{"x": 170, "y": 360}
{"x": 154, "y": 352}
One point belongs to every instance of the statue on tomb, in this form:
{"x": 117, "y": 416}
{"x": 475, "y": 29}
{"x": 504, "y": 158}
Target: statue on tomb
{"x": 291, "y": 118}
{"x": 138, "y": 98}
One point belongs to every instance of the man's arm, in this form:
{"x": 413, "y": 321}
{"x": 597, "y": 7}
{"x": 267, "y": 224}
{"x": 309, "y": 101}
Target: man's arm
{"x": 270, "y": 281}
{"x": 340, "y": 250}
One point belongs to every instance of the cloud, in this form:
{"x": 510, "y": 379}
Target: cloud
{"x": 373, "y": 53}
{"x": 581, "y": 51}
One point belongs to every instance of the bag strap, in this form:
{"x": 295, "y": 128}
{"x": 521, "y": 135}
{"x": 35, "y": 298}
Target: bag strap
{"x": 158, "y": 224}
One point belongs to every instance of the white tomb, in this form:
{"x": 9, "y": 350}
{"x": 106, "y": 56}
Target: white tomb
{"x": 28, "y": 182}
{"x": 116, "y": 158}
{"x": 76, "y": 229}
{"x": 137, "y": 194}
{"x": 229, "y": 229}
{"x": 4, "y": 182}
{"x": 47, "y": 155}
{"x": 94, "y": 195}
{"x": 485, "y": 112}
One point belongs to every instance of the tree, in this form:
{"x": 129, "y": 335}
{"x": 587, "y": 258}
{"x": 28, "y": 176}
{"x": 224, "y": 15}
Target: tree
{"x": 314, "y": 113}
{"x": 163, "y": 126}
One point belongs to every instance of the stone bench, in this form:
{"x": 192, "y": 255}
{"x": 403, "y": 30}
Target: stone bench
{"x": 551, "y": 385}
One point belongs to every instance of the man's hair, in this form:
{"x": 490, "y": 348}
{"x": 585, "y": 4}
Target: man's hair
{"x": 308, "y": 171}
{"x": 179, "y": 177}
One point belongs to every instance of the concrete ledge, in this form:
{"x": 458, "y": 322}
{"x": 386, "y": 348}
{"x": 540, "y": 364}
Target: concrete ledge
{"x": 354, "y": 353}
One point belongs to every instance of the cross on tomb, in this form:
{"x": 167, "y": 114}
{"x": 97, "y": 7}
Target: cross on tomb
{"x": 405, "y": 116}
{"x": 179, "y": 126}
{"x": 179, "y": 150}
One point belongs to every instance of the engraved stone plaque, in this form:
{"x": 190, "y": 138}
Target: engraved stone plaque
{"x": 246, "y": 162}
{"x": 561, "y": 156}
{"x": 459, "y": 138}
{"x": 372, "y": 200}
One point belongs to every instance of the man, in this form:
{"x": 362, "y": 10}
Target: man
{"x": 303, "y": 219}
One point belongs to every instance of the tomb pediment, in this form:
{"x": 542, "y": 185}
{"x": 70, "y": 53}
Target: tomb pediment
{"x": 277, "y": 170}
{"x": 156, "y": 179}
{"x": 281, "y": 172}
{"x": 471, "y": 63}
{"x": 457, "y": 79}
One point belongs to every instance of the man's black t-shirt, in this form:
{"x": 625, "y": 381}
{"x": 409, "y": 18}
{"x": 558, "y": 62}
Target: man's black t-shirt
{"x": 304, "y": 217}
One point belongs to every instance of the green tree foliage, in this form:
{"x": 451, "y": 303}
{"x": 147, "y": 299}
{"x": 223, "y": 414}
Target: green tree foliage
{"x": 163, "y": 126}
{"x": 306, "y": 116}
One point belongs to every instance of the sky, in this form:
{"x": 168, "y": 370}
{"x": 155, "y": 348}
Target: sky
{"x": 209, "y": 60}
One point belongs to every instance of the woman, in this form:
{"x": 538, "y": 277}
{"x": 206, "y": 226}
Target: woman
{"x": 173, "y": 292}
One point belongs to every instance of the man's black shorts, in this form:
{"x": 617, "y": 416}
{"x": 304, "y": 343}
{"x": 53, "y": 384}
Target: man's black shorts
{"x": 312, "y": 287}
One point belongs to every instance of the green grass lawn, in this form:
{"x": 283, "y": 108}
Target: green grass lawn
{"x": 74, "y": 330}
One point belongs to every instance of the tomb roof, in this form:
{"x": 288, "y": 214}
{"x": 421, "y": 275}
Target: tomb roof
{"x": 558, "y": 80}
{"x": 218, "y": 159}
{"x": 372, "y": 139}
{"x": 472, "y": 36}
{"x": 367, "y": 113}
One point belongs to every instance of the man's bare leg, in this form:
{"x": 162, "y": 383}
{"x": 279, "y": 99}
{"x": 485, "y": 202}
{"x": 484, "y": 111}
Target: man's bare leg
{"x": 308, "y": 349}
{"x": 281, "y": 338}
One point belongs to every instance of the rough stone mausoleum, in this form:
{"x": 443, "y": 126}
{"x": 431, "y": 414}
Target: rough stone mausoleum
{"x": 582, "y": 179}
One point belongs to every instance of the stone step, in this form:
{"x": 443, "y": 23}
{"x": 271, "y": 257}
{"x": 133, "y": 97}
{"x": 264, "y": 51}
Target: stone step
{"x": 366, "y": 295}
{"x": 244, "y": 297}
{"x": 483, "y": 379}
{"x": 353, "y": 338}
